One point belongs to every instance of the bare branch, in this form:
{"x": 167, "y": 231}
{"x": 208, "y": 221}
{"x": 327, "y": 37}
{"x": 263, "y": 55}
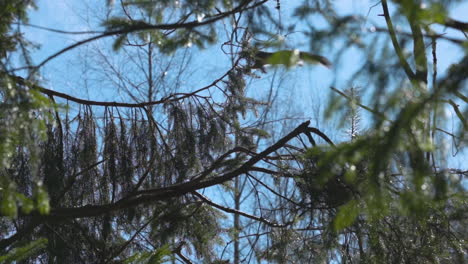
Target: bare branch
{"x": 234, "y": 211}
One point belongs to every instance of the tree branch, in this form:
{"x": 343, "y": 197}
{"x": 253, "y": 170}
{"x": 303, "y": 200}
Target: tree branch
{"x": 234, "y": 211}
{"x": 170, "y": 98}
{"x": 419, "y": 50}
{"x": 188, "y": 25}
{"x": 177, "y": 190}
{"x": 394, "y": 39}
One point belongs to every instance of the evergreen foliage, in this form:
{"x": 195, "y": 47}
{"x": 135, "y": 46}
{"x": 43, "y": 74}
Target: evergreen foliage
{"x": 136, "y": 181}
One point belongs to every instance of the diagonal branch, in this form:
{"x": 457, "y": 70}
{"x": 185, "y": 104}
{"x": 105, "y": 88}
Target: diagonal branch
{"x": 177, "y": 190}
{"x": 143, "y": 26}
{"x": 452, "y": 23}
{"x": 442, "y": 36}
{"x": 28, "y": 229}
{"x": 234, "y": 211}
{"x": 171, "y": 98}
{"x": 367, "y": 108}
{"x": 394, "y": 39}
{"x": 419, "y": 50}
{"x": 125, "y": 245}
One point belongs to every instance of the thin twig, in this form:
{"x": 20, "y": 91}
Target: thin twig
{"x": 143, "y": 26}
{"x": 377, "y": 113}
{"x": 234, "y": 211}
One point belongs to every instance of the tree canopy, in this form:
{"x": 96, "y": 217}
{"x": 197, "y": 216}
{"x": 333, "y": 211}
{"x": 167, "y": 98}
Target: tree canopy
{"x": 124, "y": 147}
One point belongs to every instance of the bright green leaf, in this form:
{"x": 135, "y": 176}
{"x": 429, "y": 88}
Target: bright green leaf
{"x": 346, "y": 215}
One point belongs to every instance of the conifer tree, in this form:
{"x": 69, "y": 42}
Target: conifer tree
{"x": 132, "y": 179}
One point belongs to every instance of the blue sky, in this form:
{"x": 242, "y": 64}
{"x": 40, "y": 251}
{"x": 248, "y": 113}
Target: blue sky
{"x": 311, "y": 83}
{"x": 74, "y": 15}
